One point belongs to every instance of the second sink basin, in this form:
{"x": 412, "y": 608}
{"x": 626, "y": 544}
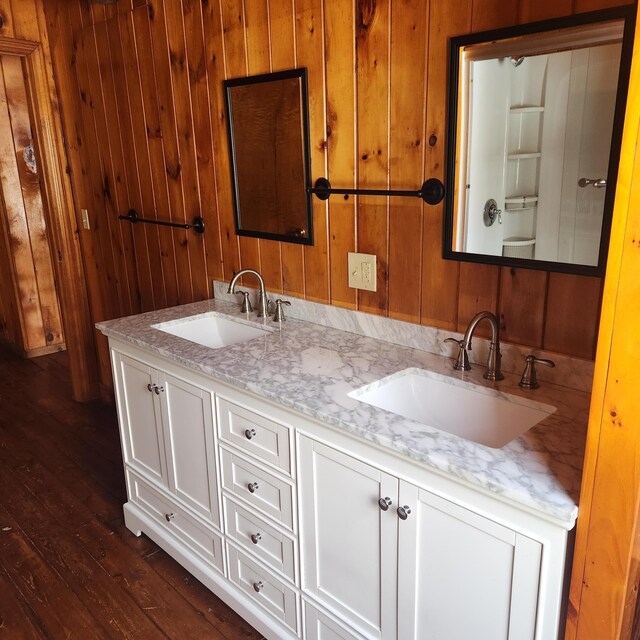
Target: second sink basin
{"x": 211, "y": 330}
{"x": 483, "y": 415}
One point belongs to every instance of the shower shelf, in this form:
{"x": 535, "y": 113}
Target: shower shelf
{"x": 521, "y": 203}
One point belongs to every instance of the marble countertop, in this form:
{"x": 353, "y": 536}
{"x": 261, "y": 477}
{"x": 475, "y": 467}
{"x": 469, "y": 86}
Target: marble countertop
{"x": 311, "y": 369}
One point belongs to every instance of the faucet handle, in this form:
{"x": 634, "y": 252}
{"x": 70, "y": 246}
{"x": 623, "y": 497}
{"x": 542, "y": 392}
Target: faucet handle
{"x": 246, "y": 303}
{"x": 462, "y": 361}
{"x": 278, "y": 316}
{"x": 529, "y": 378}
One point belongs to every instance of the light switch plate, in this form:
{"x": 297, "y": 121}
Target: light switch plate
{"x": 85, "y": 219}
{"x": 362, "y": 271}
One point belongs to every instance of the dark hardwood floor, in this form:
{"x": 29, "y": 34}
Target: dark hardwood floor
{"x": 69, "y": 568}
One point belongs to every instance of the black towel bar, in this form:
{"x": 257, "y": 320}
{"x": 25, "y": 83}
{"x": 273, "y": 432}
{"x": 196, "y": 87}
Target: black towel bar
{"x": 431, "y": 191}
{"x": 197, "y": 225}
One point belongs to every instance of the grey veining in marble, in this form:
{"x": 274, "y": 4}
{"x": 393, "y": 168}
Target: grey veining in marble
{"x": 312, "y": 368}
{"x": 574, "y": 373}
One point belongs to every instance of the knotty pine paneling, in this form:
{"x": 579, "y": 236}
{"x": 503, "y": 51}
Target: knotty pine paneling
{"x": 143, "y": 109}
{"x": 30, "y": 317}
{"x": 25, "y": 32}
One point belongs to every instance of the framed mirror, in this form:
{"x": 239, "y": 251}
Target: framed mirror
{"x": 535, "y": 127}
{"x": 270, "y": 162}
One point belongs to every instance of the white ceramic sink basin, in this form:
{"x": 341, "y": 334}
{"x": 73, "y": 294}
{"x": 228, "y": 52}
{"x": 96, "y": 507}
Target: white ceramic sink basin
{"x": 211, "y": 330}
{"x": 483, "y": 415}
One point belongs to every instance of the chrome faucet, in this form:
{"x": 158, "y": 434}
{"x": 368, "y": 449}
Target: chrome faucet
{"x": 493, "y": 371}
{"x": 263, "y": 303}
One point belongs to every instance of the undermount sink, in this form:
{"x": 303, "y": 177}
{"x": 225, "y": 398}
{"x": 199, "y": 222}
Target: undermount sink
{"x": 211, "y": 330}
{"x": 480, "y": 414}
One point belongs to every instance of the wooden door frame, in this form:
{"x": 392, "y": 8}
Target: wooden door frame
{"x": 60, "y": 215}
{"x": 603, "y": 597}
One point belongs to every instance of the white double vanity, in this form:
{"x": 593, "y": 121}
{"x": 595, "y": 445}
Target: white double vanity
{"x": 316, "y": 515}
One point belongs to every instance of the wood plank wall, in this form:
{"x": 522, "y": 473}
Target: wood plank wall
{"x": 603, "y": 599}
{"x": 30, "y": 319}
{"x": 141, "y": 94}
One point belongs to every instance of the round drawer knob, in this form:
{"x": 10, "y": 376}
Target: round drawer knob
{"x": 257, "y": 586}
{"x": 150, "y": 387}
{"x": 384, "y": 503}
{"x": 249, "y": 433}
{"x": 158, "y": 389}
{"x": 253, "y": 487}
{"x": 169, "y": 516}
{"x": 255, "y": 537}
{"x": 403, "y": 512}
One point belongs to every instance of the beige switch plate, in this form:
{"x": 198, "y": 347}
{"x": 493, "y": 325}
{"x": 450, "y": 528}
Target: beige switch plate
{"x": 362, "y": 271}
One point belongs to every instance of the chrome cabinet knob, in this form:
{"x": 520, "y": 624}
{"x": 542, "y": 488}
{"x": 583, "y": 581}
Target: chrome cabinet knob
{"x": 253, "y": 487}
{"x": 158, "y": 389}
{"x": 255, "y": 537}
{"x": 385, "y": 503}
{"x": 257, "y": 586}
{"x": 150, "y": 387}
{"x": 169, "y": 516}
{"x": 403, "y": 512}
{"x": 249, "y": 433}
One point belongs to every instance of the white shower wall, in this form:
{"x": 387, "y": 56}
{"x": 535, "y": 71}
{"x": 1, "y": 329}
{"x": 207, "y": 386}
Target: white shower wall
{"x": 534, "y": 131}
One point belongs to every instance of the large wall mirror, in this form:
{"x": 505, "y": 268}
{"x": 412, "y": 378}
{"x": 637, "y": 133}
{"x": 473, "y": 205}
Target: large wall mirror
{"x": 269, "y": 143}
{"x": 535, "y": 126}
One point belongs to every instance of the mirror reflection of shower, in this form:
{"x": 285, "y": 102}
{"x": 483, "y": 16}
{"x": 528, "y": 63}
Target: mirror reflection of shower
{"x": 539, "y": 125}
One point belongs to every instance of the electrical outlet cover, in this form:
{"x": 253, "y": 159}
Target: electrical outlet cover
{"x": 362, "y": 271}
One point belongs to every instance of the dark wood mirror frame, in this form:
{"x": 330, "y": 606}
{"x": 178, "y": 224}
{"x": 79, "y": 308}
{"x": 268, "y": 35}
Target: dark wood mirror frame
{"x": 625, "y": 13}
{"x": 268, "y": 125}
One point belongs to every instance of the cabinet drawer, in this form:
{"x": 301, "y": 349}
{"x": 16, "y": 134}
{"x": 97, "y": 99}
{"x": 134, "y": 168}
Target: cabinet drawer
{"x": 258, "y": 436}
{"x": 258, "y": 487}
{"x": 183, "y": 526}
{"x": 264, "y": 588}
{"x": 258, "y": 538}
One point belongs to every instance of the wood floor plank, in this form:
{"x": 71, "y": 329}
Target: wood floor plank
{"x": 131, "y": 572}
{"x": 17, "y": 620}
{"x": 59, "y": 611}
{"x": 100, "y": 530}
{"x": 109, "y": 604}
{"x": 62, "y": 490}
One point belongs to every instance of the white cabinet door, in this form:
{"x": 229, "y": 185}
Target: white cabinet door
{"x": 348, "y": 544}
{"x": 139, "y": 415}
{"x": 461, "y": 575}
{"x": 318, "y": 626}
{"x": 187, "y": 416}
{"x": 167, "y": 432}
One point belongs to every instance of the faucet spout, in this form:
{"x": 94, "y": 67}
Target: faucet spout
{"x": 263, "y": 303}
{"x": 494, "y": 361}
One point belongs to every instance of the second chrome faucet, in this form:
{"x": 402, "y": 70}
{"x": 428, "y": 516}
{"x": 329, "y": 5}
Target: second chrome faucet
{"x": 493, "y": 371}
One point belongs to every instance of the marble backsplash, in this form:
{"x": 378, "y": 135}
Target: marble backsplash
{"x": 574, "y": 373}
